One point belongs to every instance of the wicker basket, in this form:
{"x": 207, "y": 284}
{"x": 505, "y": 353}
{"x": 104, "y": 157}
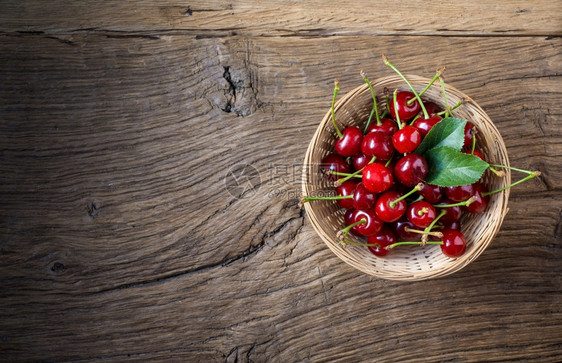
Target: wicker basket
{"x": 407, "y": 262}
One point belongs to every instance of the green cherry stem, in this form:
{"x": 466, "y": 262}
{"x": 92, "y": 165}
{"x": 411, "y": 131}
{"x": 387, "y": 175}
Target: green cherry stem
{"x": 342, "y": 234}
{"x": 473, "y": 144}
{"x": 337, "y": 197}
{"x": 499, "y": 173}
{"x": 351, "y": 175}
{"x": 466, "y": 203}
{"x": 388, "y": 162}
{"x": 385, "y": 113}
{"x": 354, "y": 174}
{"x": 396, "y": 109}
{"x": 442, "y": 113}
{"x": 447, "y": 108}
{"x": 428, "y": 229}
{"x": 436, "y": 234}
{"x": 417, "y": 188}
{"x": 348, "y": 242}
{"x": 422, "y": 243}
{"x": 420, "y": 197}
{"x": 375, "y": 109}
{"x": 415, "y": 118}
{"x": 417, "y": 96}
{"x": 531, "y": 175}
{"x": 336, "y": 89}
{"x": 437, "y": 75}
{"x": 443, "y": 212}
{"x": 516, "y": 169}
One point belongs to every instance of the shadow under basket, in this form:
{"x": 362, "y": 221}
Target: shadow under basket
{"x": 405, "y": 262}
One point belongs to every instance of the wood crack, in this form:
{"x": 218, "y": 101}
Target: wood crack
{"x": 253, "y": 249}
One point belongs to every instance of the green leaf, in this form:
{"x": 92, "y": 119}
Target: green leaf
{"x": 451, "y": 168}
{"x": 447, "y": 132}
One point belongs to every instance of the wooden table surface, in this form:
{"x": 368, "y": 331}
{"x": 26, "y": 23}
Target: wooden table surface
{"x": 120, "y": 237}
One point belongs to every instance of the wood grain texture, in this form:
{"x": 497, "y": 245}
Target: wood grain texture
{"x": 119, "y": 240}
{"x": 206, "y": 18}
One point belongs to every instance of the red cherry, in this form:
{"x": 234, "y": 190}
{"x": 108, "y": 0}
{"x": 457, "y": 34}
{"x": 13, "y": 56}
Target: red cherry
{"x": 377, "y": 144}
{"x": 469, "y": 130}
{"x": 405, "y": 112}
{"x": 347, "y": 216}
{"x": 360, "y": 161}
{"x": 460, "y": 193}
{"x": 381, "y": 240}
{"x": 454, "y": 243}
{"x": 387, "y": 126}
{"x": 406, "y": 139}
{"x": 431, "y": 108}
{"x": 371, "y": 227}
{"x": 345, "y": 189}
{"x": 347, "y": 219}
{"x": 476, "y": 153}
{"x": 334, "y": 162}
{"x": 449, "y": 224}
{"x": 424, "y": 125}
{"x": 421, "y": 214}
{"x": 399, "y": 187}
{"x": 431, "y": 193}
{"x": 377, "y": 178}
{"x": 350, "y": 143}
{"x": 481, "y": 202}
{"x": 363, "y": 198}
{"x": 453, "y": 213}
{"x": 400, "y": 230}
{"x": 411, "y": 169}
{"x": 385, "y": 211}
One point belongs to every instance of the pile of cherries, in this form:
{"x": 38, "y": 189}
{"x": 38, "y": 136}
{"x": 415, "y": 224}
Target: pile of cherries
{"x": 379, "y": 179}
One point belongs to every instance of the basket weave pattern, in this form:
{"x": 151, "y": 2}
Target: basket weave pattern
{"x": 405, "y": 262}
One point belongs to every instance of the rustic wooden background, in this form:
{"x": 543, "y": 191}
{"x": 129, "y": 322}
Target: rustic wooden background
{"x": 119, "y": 241}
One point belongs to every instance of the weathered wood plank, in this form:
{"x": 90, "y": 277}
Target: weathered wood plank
{"x": 206, "y": 18}
{"x": 119, "y": 238}
{"x": 259, "y": 311}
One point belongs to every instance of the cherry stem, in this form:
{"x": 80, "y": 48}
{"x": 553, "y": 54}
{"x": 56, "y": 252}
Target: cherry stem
{"x": 437, "y": 75}
{"x": 443, "y": 212}
{"x": 375, "y": 109}
{"x": 346, "y": 241}
{"x": 356, "y": 173}
{"x": 336, "y": 89}
{"x": 466, "y": 203}
{"x": 415, "y": 118}
{"x": 420, "y": 197}
{"x": 396, "y": 109}
{"x": 473, "y": 144}
{"x": 424, "y": 237}
{"x": 387, "y": 163}
{"x": 516, "y": 169}
{"x": 417, "y": 96}
{"x": 337, "y": 197}
{"x": 342, "y": 234}
{"x": 531, "y": 175}
{"x": 436, "y": 234}
{"x": 385, "y": 113}
{"x": 351, "y": 175}
{"x": 500, "y": 173}
{"x": 452, "y": 108}
{"x": 422, "y": 243}
{"x": 423, "y": 211}
{"x": 447, "y": 108}
{"x": 417, "y": 188}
